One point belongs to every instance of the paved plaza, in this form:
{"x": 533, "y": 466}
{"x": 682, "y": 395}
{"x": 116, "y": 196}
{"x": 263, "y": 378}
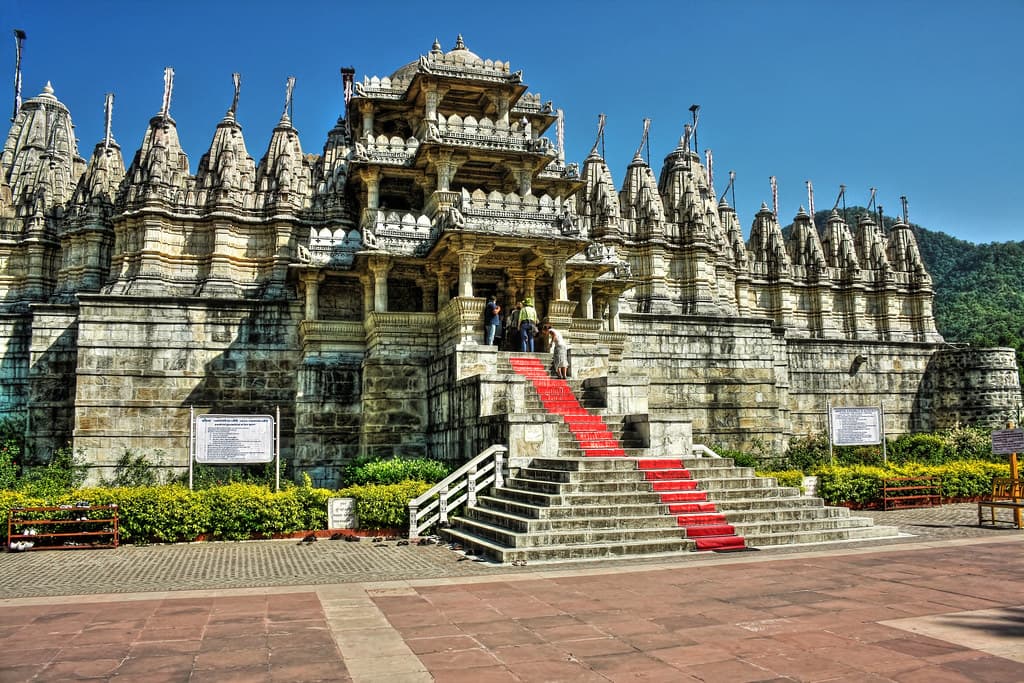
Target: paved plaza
{"x": 945, "y": 602}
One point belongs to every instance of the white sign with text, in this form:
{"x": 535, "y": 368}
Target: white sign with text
{"x": 233, "y": 439}
{"x": 861, "y": 426}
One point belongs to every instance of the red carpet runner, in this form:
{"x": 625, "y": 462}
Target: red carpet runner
{"x": 668, "y": 476}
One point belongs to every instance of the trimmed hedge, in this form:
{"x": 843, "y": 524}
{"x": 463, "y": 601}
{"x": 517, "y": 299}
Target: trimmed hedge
{"x": 172, "y": 513}
{"x": 785, "y": 477}
{"x": 861, "y": 485}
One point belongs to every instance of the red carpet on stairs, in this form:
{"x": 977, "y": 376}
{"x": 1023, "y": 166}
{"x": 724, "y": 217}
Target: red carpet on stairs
{"x": 668, "y": 476}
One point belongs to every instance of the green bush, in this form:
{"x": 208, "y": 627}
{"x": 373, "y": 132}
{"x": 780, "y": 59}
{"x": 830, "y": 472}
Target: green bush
{"x": 785, "y": 477}
{"x": 9, "y": 454}
{"x": 65, "y": 472}
{"x": 807, "y": 452}
{"x": 172, "y": 513}
{"x": 384, "y": 506}
{"x": 136, "y": 469}
{"x": 395, "y": 470}
{"x": 920, "y": 448}
{"x": 861, "y": 485}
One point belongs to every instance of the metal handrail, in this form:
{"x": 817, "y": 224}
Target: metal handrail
{"x": 434, "y": 505}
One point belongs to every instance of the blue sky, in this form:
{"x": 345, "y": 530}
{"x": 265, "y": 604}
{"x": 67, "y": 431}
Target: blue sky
{"x": 916, "y": 97}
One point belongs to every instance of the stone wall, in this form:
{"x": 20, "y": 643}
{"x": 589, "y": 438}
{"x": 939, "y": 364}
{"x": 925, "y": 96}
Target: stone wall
{"x": 51, "y": 379}
{"x": 971, "y": 386}
{"x": 723, "y": 375}
{"x": 143, "y": 362}
{"x": 15, "y": 336}
{"x": 851, "y": 373}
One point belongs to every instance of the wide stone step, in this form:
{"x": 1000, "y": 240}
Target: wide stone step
{"x": 579, "y": 552}
{"x": 589, "y": 464}
{"x": 781, "y": 511}
{"x": 766, "y": 504}
{"x": 571, "y": 522}
{"x": 778, "y": 526}
{"x": 579, "y": 476}
{"x": 544, "y": 512}
{"x": 774, "y": 493}
{"x": 512, "y": 539}
{"x": 822, "y": 536}
{"x": 584, "y": 486}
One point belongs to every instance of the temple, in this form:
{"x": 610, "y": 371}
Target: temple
{"x": 346, "y": 288}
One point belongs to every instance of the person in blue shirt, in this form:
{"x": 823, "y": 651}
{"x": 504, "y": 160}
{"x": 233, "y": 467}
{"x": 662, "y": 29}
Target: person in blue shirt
{"x": 492, "y": 320}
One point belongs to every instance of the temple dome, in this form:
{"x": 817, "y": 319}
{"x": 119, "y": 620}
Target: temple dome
{"x": 458, "y": 55}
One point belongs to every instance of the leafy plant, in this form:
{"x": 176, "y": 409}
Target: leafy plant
{"x": 395, "y": 470}
{"x": 9, "y": 455}
{"x": 136, "y": 469}
{"x": 65, "y": 472}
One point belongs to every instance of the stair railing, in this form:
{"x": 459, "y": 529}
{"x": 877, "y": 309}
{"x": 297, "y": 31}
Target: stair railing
{"x": 434, "y": 505}
{"x": 702, "y": 451}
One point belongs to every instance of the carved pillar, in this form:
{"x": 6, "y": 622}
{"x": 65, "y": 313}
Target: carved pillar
{"x": 431, "y": 100}
{"x": 366, "y": 109}
{"x": 380, "y": 266}
{"x": 530, "y": 284}
{"x": 467, "y": 263}
{"x": 367, "y": 282}
{"x": 442, "y": 287}
{"x": 587, "y": 297}
{"x": 524, "y": 179}
{"x": 371, "y": 176}
{"x": 559, "y": 289}
{"x": 446, "y": 167}
{"x": 311, "y": 280}
{"x": 613, "y": 313}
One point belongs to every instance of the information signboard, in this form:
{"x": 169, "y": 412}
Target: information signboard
{"x": 1007, "y": 441}
{"x": 859, "y": 426}
{"x": 234, "y": 439}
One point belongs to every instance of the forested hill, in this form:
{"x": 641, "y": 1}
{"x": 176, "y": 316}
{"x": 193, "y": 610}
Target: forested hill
{"x": 979, "y": 288}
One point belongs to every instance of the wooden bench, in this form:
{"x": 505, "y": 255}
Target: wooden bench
{"x": 911, "y": 492}
{"x": 1007, "y": 494}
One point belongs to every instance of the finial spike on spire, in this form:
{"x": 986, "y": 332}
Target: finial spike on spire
{"x": 643, "y": 138}
{"x": 775, "y": 196}
{"x": 165, "y": 107}
{"x": 108, "y": 114}
{"x": 19, "y": 40}
{"x": 289, "y": 87}
{"x": 599, "y": 140}
{"x": 560, "y": 130}
{"x": 236, "y": 78}
{"x": 459, "y": 45}
{"x": 810, "y": 199}
{"x": 906, "y": 211}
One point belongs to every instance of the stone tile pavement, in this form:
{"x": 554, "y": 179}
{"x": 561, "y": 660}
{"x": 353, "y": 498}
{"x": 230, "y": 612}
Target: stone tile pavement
{"x": 943, "y": 604}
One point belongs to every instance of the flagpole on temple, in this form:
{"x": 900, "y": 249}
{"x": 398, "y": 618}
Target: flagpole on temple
{"x": 19, "y": 39}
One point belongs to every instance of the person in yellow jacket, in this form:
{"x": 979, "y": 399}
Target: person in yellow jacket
{"x": 527, "y": 325}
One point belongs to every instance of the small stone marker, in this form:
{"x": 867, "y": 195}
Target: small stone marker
{"x": 341, "y": 513}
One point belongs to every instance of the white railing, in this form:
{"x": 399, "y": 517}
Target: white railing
{"x": 701, "y": 451}
{"x": 434, "y": 506}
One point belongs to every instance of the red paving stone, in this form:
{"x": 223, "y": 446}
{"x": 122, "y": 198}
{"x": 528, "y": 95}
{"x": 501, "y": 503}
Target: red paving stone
{"x": 265, "y": 638}
{"x": 812, "y": 618}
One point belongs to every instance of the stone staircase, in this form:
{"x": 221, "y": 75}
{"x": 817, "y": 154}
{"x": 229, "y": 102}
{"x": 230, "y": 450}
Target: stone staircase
{"x": 599, "y": 499}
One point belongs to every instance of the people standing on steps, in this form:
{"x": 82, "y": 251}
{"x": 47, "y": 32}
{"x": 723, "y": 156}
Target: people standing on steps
{"x": 512, "y": 327}
{"x": 492, "y": 320}
{"x": 527, "y": 325}
{"x": 559, "y": 352}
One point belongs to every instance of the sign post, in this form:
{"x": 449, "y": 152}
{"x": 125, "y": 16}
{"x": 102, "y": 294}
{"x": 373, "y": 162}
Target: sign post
{"x": 1010, "y": 441}
{"x": 236, "y": 440}
{"x": 858, "y": 426}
